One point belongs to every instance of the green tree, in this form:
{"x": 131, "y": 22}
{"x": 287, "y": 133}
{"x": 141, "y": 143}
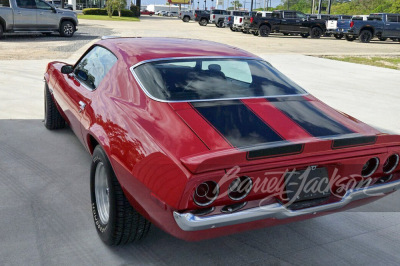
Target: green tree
{"x": 236, "y": 4}
{"x": 119, "y": 5}
{"x": 110, "y": 7}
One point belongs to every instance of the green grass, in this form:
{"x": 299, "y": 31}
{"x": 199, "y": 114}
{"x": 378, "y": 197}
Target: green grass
{"x": 392, "y": 62}
{"x": 114, "y": 18}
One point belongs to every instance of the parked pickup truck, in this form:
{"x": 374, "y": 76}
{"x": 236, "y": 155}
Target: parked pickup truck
{"x": 202, "y": 17}
{"x": 35, "y": 16}
{"x": 331, "y": 25}
{"x": 238, "y": 17}
{"x": 288, "y": 22}
{"x": 217, "y": 16}
{"x": 249, "y": 20}
{"x": 380, "y": 25}
{"x": 186, "y": 16}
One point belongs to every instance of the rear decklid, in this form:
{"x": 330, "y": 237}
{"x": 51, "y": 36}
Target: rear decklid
{"x": 343, "y": 24}
{"x": 251, "y": 129}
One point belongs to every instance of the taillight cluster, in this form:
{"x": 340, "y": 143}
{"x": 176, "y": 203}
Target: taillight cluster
{"x": 229, "y": 18}
{"x": 351, "y": 24}
{"x": 240, "y": 21}
{"x": 207, "y": 192}
{"x": 213, "y": 16}
{"x": 251, "y": 20}
{"x": 195, "y": 15}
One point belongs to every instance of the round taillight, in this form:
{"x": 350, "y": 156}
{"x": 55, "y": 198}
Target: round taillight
{"x": 206, "y": 193}
{"x": 391, "y": 163}
{"x": 240, "y": 188}
{"x": 370, "y": 167}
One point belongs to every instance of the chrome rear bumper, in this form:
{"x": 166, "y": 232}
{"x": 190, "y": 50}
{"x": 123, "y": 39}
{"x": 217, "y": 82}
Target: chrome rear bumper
{"x": 190, "y": 222}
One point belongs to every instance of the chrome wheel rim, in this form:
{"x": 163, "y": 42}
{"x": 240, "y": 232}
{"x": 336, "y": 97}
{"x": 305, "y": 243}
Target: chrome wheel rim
{"x": 68, "y": 29}
{"x": 102, "y": 192}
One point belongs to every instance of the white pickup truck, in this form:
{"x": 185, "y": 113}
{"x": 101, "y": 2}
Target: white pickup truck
{"x": 21, "y": 16}
{"x": 331, "y": 25}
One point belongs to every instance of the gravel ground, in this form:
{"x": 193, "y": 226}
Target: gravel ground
{"x": 54, "y": 46}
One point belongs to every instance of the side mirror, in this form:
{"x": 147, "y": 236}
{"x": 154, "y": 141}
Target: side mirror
{"x": 67, "y": 69}
{"x": 54, "y": 10}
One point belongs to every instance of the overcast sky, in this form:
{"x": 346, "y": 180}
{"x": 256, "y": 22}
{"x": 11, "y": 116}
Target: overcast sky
{"x": 259, "y": 2}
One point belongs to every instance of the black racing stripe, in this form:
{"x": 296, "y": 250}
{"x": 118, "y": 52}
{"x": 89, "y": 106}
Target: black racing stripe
{"x": 311, "y": 119}
{"x": 353, "y": 142}
{"x": 239, "y": 125}
{"x": 284, "y": 150}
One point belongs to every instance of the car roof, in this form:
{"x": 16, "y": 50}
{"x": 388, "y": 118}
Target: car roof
{"x": 135, "y": 50}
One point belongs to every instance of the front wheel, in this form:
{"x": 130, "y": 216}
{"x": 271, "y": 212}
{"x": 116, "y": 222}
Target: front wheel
{"x": 264, "y": 31}
{"x": 186, "y": 19}
{"x": 365, "y": 36}
{"x": 316, "y": 33}
{"x": 203, "y": 22}
{"x": 338, "y": 36}
{"x": 52, "y": 117}
{"x": 116, "y": 221}
{"x": 67, "y": 29}
{"x": 349, "y": 38}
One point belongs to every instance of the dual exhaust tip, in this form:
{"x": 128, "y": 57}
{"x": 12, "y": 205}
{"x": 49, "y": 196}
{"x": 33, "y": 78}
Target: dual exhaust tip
{"x": 372, "y": 165}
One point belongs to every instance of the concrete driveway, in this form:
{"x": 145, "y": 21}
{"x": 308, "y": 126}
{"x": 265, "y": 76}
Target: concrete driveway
{"x": 45, "y": 216}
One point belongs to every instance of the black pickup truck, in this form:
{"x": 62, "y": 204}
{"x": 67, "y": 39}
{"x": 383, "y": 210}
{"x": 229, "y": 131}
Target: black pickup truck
{"x": 287, "y": 22}
{"x": 202, "y": 17}
{"x": 380, "y": 25}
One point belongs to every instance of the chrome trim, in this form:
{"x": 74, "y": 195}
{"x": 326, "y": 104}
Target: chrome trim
{"x": 245, "y": 195}
{"x": 190, "y": 222}
{"x": 395, "y": 165}
{"x": 374, "y": 170}
{"x": 132, "y": 69}
{"x": 212, "y": 200}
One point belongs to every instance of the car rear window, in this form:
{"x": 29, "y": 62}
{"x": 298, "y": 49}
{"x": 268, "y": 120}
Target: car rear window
{"x": 212, "y": 79}
{"x": 4, "y": 3}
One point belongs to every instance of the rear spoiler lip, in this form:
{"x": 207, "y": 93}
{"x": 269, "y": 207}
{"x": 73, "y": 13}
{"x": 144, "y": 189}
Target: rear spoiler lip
{"x": 227, "y": 158}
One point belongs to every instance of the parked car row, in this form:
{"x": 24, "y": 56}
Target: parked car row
{"x": 262, "y": 23}
{"x": 165, "y": 13}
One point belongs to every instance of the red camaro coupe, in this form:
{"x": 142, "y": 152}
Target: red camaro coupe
{"x": 204, "y": 139}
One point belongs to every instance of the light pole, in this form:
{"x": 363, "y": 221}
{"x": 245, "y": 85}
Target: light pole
{"x": 205, "y": 5}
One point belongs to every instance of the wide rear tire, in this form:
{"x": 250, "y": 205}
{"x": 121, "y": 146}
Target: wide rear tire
{"x": 52, "y": 117}
{"x": 116, "y": 221}
{"x": 264, "y": 31}
{"x": 365, "y": 36}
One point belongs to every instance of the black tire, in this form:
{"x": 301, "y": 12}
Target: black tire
{"x": 232, "y": 29}
{"x": 203, "y": 22}
{"x": 52, "y": 117}
{"x": 124, "y": 224}
{"x": 67, "y": 29}
{"x": 220, "y": 24}
{"x": 349, "y": 38}
{"x": 186, "y": 19}
{"x": 338, "y": 36}
{"x": 304, "y": 35}
{"x": 286, "y": 34}
{"x": 1, "y": 31}
{"x": 316, "y": 33}
{"x": 264, "y": 31}
{"x": 255, "y": 33}
{"x": 383, "y": 39}
{"x": 365, "y": 36}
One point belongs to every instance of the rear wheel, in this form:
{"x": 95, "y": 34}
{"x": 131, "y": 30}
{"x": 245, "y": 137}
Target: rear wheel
{"x": 116, "y": 221}
{"x": 338, "y": 36}
{"x": 67, "y": 29}
{"x": 203, "y": 22}
{"x": 349, "y": 38}
{"x": 264, "y": 31}
{"x": 220, "y": 24}
{"x": 365, "y": 36}
{"x": 52, "y": 117}
{"x": 186, "y": 19}
{"x": 316, "y": 33}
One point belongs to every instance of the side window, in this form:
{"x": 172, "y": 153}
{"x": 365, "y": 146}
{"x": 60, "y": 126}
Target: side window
{"x": 238, "y": 71}
{"x": 94, "y": 66}
{"x": 300, "y": 15}
{"x": 392, "y": 18}
{"x": 31, "y": 4}
{"x": 4, "y": 3}
{"x": 42, "y": 5}
{"x": 290, "y": 15}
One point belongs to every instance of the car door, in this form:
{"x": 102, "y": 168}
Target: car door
{"x": 298, "y": 24}
{"x": 80, "y": 87}
{"x": 289, "y": 18}
{"x": 25, "y": 15}
{"x": 392, "y": 26}
{"x": 46, "y": 19}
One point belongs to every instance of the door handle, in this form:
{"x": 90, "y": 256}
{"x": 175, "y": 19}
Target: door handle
{"x": 82, "y": 106}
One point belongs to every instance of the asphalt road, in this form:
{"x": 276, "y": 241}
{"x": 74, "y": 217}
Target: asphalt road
{"x": 45, "y": 216}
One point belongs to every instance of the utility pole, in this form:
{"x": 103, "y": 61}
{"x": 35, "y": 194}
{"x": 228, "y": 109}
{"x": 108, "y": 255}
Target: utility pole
{"x": 329, "y": 6}
{"x": 313, "y": 7}
{"x": 320, "y": 7}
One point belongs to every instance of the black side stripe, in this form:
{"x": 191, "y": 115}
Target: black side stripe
{"x": 353, "y": 142}
{"x": 284, "y": 150}
{"x": 239, "y": 125}
{"x": 311, "y": 119}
